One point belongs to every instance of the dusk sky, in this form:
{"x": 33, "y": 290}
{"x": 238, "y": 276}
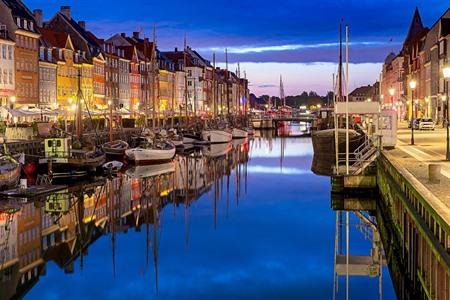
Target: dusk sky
{"x": 293, "y": 38}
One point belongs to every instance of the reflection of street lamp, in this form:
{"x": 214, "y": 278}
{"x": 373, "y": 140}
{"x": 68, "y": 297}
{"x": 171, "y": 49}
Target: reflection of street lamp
{"x": 12, "y": 100}
{"x": 446, "y": 72}
{"x": 412, "y": 85}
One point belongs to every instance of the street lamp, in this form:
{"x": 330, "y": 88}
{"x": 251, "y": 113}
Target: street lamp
{"x": 412, "y": 85}
{"x": 110, "y": 121}
{"x": 392, "y": 92}
{"x": 446, "y": 72}
{"x": 369, "y": 99}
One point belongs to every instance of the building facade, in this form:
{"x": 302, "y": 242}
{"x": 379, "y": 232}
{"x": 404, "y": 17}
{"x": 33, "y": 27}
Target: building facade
{"x": 7, "y": 67}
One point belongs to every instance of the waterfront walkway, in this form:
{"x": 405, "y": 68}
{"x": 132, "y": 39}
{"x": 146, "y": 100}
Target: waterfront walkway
{"x": 414, "y": 160}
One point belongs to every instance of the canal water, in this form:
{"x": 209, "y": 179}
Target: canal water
{"x": 247, "y": 220}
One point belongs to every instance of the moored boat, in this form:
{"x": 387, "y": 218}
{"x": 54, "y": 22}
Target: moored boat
{"x": 64, "y": 161}
{"x": 215, "y": 136}
{"x": 9, "y": 172}
{"x": 148, "y": 152}
{"x": 115, "y": 148}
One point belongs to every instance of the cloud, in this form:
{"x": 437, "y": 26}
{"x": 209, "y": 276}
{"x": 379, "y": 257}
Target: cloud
{"x": 266, "y": 86}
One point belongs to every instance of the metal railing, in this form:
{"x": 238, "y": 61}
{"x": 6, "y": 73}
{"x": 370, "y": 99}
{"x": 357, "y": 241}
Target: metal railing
{"x": 363, "y": 154}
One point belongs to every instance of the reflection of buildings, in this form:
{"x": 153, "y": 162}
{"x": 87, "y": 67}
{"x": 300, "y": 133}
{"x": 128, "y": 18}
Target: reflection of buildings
{"x": 61, "y": 226}
{"x": 9, "y": 261}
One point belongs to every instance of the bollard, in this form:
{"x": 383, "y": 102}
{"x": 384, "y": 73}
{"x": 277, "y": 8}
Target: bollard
{"x": 434, "y": 173}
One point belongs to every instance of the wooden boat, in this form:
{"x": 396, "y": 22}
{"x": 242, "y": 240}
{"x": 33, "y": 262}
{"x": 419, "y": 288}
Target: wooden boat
{"x": 239, "y": 133}
{"x": 65, "y": 162}
{"x": 115, "y": 148}
{"x": 148, "y": 152}
{"x": 9, "y": 172}
{"x": 215, "y": 136}
{"x": 324, "y": 148}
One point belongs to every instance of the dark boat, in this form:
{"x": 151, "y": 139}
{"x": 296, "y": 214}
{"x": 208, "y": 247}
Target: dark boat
{"x": 115, "y": 148}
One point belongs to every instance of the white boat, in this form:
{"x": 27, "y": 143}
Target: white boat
{"x": 214, "y": 136}
{"x": 150, "y": 170}
{"x": 112, "y": 167}
{"x": 239, "y": 133}
{"x": 161, "y": 152}
{"x": 191, "y": 139}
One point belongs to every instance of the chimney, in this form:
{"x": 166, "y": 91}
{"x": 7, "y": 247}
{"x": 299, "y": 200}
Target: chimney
{"x": 82, "y": 24}
{"x": 65, "y": 10}
{"x": 176, "y": 49}
{"x": 136, "y": 34}
{"x": 38, "y": 17}
{"x": 122, "y": 34}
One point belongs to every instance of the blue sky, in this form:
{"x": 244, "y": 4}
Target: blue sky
{"x": 262, "y": 34}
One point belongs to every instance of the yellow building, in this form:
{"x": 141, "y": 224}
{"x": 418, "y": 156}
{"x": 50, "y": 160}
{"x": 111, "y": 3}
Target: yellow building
{"x": 166, "y": 85}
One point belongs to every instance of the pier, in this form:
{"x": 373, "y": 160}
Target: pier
{"x": 413, "y": 215}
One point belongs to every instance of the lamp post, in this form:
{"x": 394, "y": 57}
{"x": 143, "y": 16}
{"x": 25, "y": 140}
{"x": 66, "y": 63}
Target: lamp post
{"x": 412, "y": 85}
{"x": 392, "y": 92}
{"x": 446, "y": 72}
{"x": 110, "y": 121}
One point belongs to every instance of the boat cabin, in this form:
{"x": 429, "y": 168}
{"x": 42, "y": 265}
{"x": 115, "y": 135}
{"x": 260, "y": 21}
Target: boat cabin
{"x": 58, "y": 147}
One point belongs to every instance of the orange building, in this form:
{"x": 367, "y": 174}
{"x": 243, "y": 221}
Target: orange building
{"x": 21, "y": 27}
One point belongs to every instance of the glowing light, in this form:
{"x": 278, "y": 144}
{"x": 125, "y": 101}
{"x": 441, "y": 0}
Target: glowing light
{"x": 413, "y": 84}
{"x": 391, "y": 91}
{"x": 12, "y": 99}
{"x": 446, "y": 72}
{"x": 369, "y": 99}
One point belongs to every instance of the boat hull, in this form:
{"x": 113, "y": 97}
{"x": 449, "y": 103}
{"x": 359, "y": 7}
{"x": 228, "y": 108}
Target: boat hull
{"x": 10, "y": 178}
{"x": 115, "y": 148}
{"x": 150, "y": 156}
{"x": 216, "y": 136}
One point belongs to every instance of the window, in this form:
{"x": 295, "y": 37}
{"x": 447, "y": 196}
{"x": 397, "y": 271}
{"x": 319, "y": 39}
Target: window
{"x": 4, "y": 51}
{"x": 10, "y": 52}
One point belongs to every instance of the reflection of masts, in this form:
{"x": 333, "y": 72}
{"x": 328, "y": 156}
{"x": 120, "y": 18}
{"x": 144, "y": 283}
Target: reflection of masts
{"x": 186, "y": 203}
{"x": 354, "y": 265}
{"x": 155, "y": 198}
{"x": 112, "y": 226}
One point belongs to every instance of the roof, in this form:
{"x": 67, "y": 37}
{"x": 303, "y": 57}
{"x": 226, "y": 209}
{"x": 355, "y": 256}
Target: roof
{"x": 18, "y": 9}
{"x": 363, "y": 91}
{"x": 53, "y": 38}
{"x": 87, "y": 36}
{"x": 416, "y": 28}
{"x": 391, "y": 56}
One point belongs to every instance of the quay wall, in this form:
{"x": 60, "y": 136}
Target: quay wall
{"x": 35, "y": 147}
{"x": 416, "y": 233}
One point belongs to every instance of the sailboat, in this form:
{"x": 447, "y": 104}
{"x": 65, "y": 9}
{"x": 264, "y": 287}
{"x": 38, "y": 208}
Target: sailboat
{"x": 218, "y": 135}
{"x": 115, "y": 148}
{"x": 70, "y": 158}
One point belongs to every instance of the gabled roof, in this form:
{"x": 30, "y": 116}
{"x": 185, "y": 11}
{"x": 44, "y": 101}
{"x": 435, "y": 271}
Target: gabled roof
{"x": 55, "y": 39}
{"x": 416, "y": 28}
{"x": 129, "y": 51}
{"x": 18, "y": 9}
{"x": 363, "y": 91}
{"x": 87, "y": 36}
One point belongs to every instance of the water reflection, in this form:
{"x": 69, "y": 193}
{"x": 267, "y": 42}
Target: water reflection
{"x": 243, "y": 220}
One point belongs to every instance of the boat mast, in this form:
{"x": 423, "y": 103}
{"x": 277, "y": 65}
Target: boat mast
{"x": 155, "y": 83}
{"x": 185, "y": 81}
{"x": 79, "y": 96}
{"x": 227, "y": 79}
{"x": 282, "y": 99}
{"x": 214, "y": 85}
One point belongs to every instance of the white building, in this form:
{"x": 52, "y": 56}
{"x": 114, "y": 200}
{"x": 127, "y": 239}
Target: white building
{"x": 7, "y": 72}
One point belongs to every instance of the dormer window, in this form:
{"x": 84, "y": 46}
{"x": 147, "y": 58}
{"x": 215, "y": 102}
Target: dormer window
{"x": 18, "y": 22}
{"x": 49, "y": 54}
{"x": 31, "y": 26}
{"x": 25, "y": 24}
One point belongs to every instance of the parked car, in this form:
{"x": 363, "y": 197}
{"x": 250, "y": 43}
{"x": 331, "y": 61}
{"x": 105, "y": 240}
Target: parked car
{"x": 425, "y": 124}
